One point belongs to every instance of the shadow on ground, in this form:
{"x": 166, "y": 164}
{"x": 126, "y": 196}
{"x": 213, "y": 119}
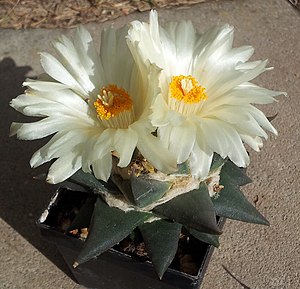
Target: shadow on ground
{"x": 22, "y": 199}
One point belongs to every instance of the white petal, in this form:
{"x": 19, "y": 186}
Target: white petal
{"x": 152, "y": 89}
{"x": 160, "y": 112}
{"x": 26, "y": 104}
{"x": 42, "y": 110}
{"x": 225, "y": 141}
{"x": 163, "y": 133}
{"x": 256, "y": 93}
{"x": 162, "y": 115}
{"x": 153, "y": 150}
{"x": 89, "y": 147}
{"x": 238, "y": 55}
{"x": 254, "y": 142}
{"x": 125, "y": 141}
{"x": 35, "y": 130}
{"x": 85, "y": 48}
{"x": 59, "y": 145}
{"x": 211, "y": 46}
{"x": 70, "y": 102}
{"x": 245, "y": 93}
{"x": 182, "y": 139}
{"x": 239, "y": 118}
{"x": 59, "y": 103}
{"x": 81, "y": 59}
{"x": 228, "y": 113}
{"x": 143, "y": 86}
{"x": 104, "y": 144}
{"x": 154, "y": 43}
{"x": 231, "y": 59}
{"x": 216, "y": 68}
{"x": 44, "y": 85}
{"x": 200, "y": 160}
{"x": 57, "y": 71}
{"x": 249, "y": 65}
{"x": 183, "y": 35}
{"x": 44, "y": 127}
{"x": 102, "y": 167}
{"x": 223, "y": 82}
{"x": 64, "y": 167}
{"x": 261, "y": 119}
{"x": 115, "y": 54}
{"x": 70, "y": 59}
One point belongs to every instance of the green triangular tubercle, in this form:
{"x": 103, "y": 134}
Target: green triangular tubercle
{"x": 161, "y": 241}
{"x": 193, "y": 209}
{"x": 87, "y": 180}
{"x": 231, "y": 203}
{"x": 146, "y": 190}
{"x": 108, "y": 227}
{"x": 237, "y": 175}
{"x": 184, "y": 168}
{"x": 217, "y": 161}
{"x": 124, "y": 186}
{"x": 206, "y": 238}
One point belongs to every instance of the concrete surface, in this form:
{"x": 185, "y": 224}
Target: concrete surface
{"x": 259, "y": 257}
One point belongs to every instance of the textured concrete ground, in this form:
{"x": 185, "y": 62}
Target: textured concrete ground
{"x": 259, "y": 257}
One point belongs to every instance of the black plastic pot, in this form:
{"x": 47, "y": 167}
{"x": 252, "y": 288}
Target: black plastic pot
{"x": 113, "y": 269}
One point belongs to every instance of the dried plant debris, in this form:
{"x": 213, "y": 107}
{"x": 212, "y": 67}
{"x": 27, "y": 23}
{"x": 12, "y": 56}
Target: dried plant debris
{"x": 19, "y": 14}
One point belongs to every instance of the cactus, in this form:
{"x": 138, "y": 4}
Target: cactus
{"x": 160, "y": 206}
{"x": 160, "y": 147}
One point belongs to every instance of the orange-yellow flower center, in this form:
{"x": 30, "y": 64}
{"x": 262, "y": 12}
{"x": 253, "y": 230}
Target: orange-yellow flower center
{"x": 114, "y": 107}
{"x": 112, "y": 101}
{"x": 186, "y": 89}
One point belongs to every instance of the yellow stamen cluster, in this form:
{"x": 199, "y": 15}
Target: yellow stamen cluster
{"x": 186, "y": 89}
{"x": 111, "y": 101}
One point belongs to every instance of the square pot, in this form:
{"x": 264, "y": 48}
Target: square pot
{"x": 113, "y": 269}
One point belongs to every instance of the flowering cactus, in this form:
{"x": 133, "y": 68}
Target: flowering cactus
{"x": 155, "y": 126}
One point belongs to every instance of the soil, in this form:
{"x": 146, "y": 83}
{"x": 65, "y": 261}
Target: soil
{"x": 19, "y": 14}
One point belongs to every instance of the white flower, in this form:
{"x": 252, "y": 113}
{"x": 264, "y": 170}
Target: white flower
{"x": 205, "y": 104}
{"x": 94, "y": 104}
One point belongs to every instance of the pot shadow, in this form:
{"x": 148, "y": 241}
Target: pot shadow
{"x": 244, "y": 286}
{"x": 22, "y": 199}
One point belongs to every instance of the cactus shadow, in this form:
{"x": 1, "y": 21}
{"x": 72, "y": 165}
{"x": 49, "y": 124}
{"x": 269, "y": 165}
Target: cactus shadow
{"x": 22, "y": 199}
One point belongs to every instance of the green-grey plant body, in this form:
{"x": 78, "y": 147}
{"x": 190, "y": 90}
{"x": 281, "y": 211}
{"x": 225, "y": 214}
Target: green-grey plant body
{"x": 160, "y": 206}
